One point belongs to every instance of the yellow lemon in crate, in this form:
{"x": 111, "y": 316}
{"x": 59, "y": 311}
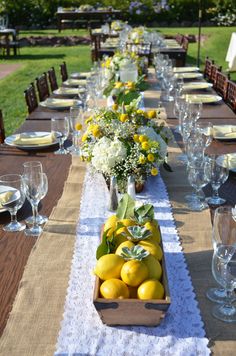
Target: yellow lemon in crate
{"x": 110, "y": 223}
{"x": 109, "y": 266}
{"x": 152, "y": 247}
{"x": 127, "y": 222}
{"x": 134, "y": 272}
{"x": 151, "y": 289}
{"x": 154, "y": 267}
{"x": 152, "y": 226}
{"x": 126, "y": 243}
{"x": 114, "y": 289}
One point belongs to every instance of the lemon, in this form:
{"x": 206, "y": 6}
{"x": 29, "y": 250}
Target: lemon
{"x": 152, "y": 247}
{"x": 152, "y": 226}
{"x": 109, "y": 266}
{"x": 154, "y": 267}
{"x": 111, "y": 222}
{"x": 114, "y": 289}
{"x": 134, "y": 272}
{"x": 122, "y": 231}
{"x": 127, "y": 222}
{"x": 151, "y": 289}
{"x": 127, "y": 243}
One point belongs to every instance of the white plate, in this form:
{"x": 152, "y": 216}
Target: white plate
{"x": 59, "y": 104}
{"x": 185, "y": 69}
{"x": 70, "y": 92}
{"x": 81, "y": 75}
{"x": 75, "y": 82}
{"x": 197, "y": 85}
{"x": 191, "y": 75}
{"x": 224, "y": 132}
{"x": 10, "y": 140}
{"x": 227, "y": 160}
{"x": 202, "y": 98}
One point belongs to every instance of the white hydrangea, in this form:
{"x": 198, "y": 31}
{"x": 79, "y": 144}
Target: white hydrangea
{"x": 107, "y": 153}
{"x": 153, "y": 136}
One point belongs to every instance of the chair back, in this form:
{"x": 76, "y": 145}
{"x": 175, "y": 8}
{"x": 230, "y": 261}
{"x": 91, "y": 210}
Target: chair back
{"x": 52, "y": 79}
{"x": 64, "y": 72}
{"x": 179, "y": 38}
{"x": 185, "y": 43}
{"x": 214, "y": 69}
{"x": 31, "y": 98}
{"x": 42, "y": 86}
{"x": 207, "y": 69}
{"x": 231, "y": 95}
{"x": 220, "y": 84}
{"x": 2, "y": 131}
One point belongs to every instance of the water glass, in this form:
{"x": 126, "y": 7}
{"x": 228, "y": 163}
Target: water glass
{"x": 219, "y": 175}
{"x": 60, "y": 127}
{"x": 205, "y": 129}
{"x": 12, "y": 198}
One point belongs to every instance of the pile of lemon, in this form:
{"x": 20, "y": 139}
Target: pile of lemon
{"x": 132, "y": 277}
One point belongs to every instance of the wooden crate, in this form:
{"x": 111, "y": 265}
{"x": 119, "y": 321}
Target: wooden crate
{"x": 132, "y": 311}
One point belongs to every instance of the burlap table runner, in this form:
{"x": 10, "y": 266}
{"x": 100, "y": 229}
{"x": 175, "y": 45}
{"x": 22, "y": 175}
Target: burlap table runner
{"x": 34, "y": 322}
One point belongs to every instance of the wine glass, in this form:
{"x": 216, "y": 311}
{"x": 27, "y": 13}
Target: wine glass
{"x": 60, "y": 127}
{"x": 196, "y": 110}
{"x": 205, "y": 129}
{"x": 219, "y": 175}
{"x": 198, "y": 176}
{"x": 223, "y": 233}
{"x": 12, "y": 198}
{"x": 36, "y": 166}
{"x": 224, "y": 272}
{"x": 76, "y": 124}
{"x": 34, "y": 188}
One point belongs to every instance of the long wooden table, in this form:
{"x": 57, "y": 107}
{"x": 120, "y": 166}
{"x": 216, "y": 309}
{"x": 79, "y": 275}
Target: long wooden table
{"x": 15, "y": 247}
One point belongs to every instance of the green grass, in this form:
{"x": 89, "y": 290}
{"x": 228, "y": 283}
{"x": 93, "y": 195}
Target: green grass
{"x": 36, "y": 60}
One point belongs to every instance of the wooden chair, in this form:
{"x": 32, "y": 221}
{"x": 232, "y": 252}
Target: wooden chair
{"x": 42, "y": 86}
{"x": 221, "y": 83}
{"x": 185, "y": 43}
{"x": 52, "y": 79}
{"x": 31, "y": 98}
{"x": 231, "y": 95}
{"x": 214, "y": 69}
{"x": 179, "y": 38}
{"x": 63, "y": 71}
{"x": 207, "y": 69}
{"x": 2, "y": 130}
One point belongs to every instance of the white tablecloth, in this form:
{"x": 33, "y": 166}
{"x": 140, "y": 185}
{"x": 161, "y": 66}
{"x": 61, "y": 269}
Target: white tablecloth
{"x": 231, "y": 54}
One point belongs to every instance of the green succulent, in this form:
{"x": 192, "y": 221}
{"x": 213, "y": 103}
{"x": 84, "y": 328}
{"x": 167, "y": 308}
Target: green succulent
{"x": 135, "y": 253}
{"x": 138, "y": 233}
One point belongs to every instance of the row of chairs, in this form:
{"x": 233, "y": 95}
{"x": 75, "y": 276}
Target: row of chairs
{"x": 222, "y": 84}
{"x": 45, "y": 84}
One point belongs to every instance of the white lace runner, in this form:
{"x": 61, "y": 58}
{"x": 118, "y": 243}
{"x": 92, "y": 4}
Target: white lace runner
{"x": 82, "y": 332}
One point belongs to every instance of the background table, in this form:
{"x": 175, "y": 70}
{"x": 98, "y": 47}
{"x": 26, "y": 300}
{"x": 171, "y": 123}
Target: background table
{"x": 231, "y": 54}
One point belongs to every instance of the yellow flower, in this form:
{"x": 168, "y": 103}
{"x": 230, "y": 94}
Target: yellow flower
{"x": 142, "y": 159}
{"x": 89, "y": 119}
{"x": 140, "y": 111}
{"x": 150, "y": 157}
{"x": 143, "y": 138}
{"x": 130, "y": 85}
{"x": 96, "y": 131}
{"x": 145, "y": 146}
{"x": 118, "y": 85}
{"x": 78, "y": 126}
{"x": 154, "y": 171}
{"x": 84, "y": 137}
{"x": 124, "y": 117}
{"x": 136, "y": 138}
{"x": 151, "y": 114}
{"x": 115, "y": 107}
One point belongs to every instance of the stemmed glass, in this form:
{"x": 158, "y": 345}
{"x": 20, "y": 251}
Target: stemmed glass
{"x": 34, "y": 188}
{"x": 224, "y": 272}
{"x": 205, "y": 129}
{"x": 196, "y": 110}
{"x": 36, "y": 166}
{"x": 219, "y": 175}
{"x": 60, "y": 127}
{"x": 198, "y": 176}
{"x": 12, "y": 198}
{"x": 76, "y": 124}
{"x": 223, "y": 233}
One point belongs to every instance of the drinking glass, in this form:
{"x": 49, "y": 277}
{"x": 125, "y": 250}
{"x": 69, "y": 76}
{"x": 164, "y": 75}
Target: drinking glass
{"x": 198, "y": 176}
{"x": 12, "y": 198}
{"x": 35, "y": 189}
{"x": 196, "y": 110}
{"x": 205, "y": 129}
{"x": 36, "y": 166}
{"x": 219, "y": 175}
{"x": 60, "y": 127}
{"x": 224, "y": 272}
{"x": 76, "y": 124}
{"x": 223, "y": 233}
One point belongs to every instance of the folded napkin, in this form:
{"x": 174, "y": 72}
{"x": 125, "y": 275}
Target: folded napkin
{"x": 192, "y": 98}
{"x": 25, "y": 139}
{"x": 185, "y": 69}
{"x": 196, "y": 85}
{"x": 59, "y": 103}
{"x": 230, "y": 134}
{"x": 4, "y": 197}
{"x": 75, "y": 82}
{"x": 224, "y": 131}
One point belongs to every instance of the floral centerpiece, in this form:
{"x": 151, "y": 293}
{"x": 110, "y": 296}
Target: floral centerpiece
{"x": 86, "y": 7}
{"x": 137, "y": 34}
{"x": 124, "y": 141}
{"x": 117, "y": 25}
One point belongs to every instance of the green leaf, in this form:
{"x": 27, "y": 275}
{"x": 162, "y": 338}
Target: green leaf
{"x": 146, "y": 211}
{"x": 104, "y": 247}
{"x": 127, "y": 98}
{"x": 125, "y": 208}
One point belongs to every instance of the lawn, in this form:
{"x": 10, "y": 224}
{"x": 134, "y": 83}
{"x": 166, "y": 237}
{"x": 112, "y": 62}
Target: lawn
{"x": 36, "y": 60}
